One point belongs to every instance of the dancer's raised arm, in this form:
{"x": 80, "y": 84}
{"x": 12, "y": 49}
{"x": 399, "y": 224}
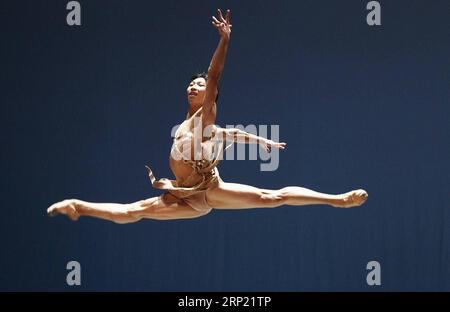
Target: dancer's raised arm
{"x": 216, "y": 66}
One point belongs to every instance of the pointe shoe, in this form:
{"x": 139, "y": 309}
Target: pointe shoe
{"x": 353, "y": 198}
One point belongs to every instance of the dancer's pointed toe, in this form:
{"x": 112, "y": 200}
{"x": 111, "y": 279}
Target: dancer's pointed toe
{"x": 352, "y": 199}
{"x": 52, "y": 211}
{"x": 66, "y": 207}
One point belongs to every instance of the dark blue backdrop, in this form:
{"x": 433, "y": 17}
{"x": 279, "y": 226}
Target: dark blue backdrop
{"x": 84, "y": 108}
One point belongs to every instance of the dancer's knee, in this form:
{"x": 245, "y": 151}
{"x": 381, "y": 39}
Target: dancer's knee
{"x": 271, "y": 199}
{"x": 128, "y": 213}
{"x": 141, "y": 209}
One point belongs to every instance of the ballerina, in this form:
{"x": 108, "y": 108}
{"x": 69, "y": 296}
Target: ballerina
{"x": 198, "y": 188}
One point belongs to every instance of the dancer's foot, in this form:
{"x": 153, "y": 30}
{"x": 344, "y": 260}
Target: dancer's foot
{"x": 352, "y": 199}
{"x": 66, "y": 207}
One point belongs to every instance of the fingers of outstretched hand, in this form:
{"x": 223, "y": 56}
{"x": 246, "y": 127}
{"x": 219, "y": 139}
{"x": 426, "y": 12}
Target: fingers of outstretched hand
{"x": 219, "y": 13}
{"x": 277, "y": 145}
{"x": 215, "y": 20}
{"x": 228, "y": 16}
{"x": 222, "y": 23}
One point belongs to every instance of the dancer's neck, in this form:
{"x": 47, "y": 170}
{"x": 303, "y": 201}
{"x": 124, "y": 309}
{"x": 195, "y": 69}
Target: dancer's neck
{"x": 192, "y": 110}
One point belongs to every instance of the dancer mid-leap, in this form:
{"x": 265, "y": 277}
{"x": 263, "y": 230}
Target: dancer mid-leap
{"x": 198, "y": 187}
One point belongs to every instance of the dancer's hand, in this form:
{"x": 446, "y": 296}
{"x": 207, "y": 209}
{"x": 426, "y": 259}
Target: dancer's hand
{"x": 222, "y": 24}
{"x": 267, "y": 144}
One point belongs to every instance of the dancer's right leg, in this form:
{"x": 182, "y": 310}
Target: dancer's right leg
{"x": 164, "y": 207}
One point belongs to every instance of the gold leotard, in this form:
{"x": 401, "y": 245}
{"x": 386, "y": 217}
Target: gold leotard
{"x": 194, "y": 194}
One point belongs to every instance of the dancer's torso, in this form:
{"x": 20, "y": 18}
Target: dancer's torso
{"x": 187, "y": 160}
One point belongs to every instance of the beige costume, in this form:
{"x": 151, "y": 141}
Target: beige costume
{"x": 204, "y": 175}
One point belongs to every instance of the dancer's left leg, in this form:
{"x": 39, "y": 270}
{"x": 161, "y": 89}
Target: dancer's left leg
{"x": 240, "y": 196}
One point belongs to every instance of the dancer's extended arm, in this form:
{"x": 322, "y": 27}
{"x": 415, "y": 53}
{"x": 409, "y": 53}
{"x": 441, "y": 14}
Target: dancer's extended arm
{"x": 216, "y": 67}
{"x": 240, "y": 136}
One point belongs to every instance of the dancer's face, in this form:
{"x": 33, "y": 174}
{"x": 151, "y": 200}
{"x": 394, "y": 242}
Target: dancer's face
{"x": 196, "y": 90}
